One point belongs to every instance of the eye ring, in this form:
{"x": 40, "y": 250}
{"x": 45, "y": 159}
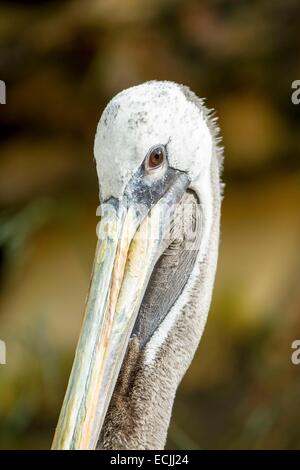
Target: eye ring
{"x": 156, "y": 157}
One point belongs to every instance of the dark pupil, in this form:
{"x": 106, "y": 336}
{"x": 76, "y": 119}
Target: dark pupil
{"x": 156, "y": 157}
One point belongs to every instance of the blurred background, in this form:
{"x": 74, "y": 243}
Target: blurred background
{"x": 62, "y": 61}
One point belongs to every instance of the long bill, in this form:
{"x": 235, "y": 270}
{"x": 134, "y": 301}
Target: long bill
{"x": 130, "y": 242}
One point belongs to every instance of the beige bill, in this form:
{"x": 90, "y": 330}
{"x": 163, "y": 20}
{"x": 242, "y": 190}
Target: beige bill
{"x": 130, "y": 241}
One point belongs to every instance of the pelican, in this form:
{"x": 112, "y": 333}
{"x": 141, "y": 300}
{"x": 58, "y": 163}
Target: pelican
{"x": 159, "y": 164}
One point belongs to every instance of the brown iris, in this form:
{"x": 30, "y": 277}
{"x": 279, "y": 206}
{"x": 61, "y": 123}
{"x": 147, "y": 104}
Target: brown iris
{"x": 156, "y": 157}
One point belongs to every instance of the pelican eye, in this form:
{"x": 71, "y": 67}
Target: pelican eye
{"x": 156, "y": 157}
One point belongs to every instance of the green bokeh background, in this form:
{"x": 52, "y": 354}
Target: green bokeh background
{"x": 62, "y": 61}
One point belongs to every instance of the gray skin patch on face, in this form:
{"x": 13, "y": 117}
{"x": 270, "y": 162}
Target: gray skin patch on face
{"x": 140, "y": 192}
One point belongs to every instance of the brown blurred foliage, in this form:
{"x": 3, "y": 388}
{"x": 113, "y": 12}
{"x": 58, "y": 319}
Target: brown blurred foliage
{"x": 62, "y": 61}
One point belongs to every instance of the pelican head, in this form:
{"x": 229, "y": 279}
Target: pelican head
{"x": 158, "y": 164}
